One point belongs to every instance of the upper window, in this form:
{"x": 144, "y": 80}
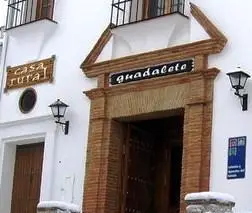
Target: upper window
{"x": 22, "y": 12}
{"x": 129, "y": 11}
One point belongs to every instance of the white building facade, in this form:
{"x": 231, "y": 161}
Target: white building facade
{"x": 151, "y": 71}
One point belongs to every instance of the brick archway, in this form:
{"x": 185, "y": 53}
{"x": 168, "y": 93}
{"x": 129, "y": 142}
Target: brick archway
{"x": 192, "y": 92}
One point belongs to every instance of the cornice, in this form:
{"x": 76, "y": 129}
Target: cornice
{"x": 204, "y": 47}
{"x": 177, "y": 79}
{"x": 208, "y": 26}
{"x": 98, "y": 47}
{"x": 36, "y": 119}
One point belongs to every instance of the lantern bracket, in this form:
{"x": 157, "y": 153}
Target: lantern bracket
{"x": 65, "y": 126}
{"x": 243, "y": 100}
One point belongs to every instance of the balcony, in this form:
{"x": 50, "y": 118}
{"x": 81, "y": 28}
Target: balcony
{"x": 130, "y": 11}
{"x": 21, "y": 12}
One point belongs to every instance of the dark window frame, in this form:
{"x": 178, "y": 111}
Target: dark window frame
{"x": 131, "y": 11}
{"x": 29, "y": 105}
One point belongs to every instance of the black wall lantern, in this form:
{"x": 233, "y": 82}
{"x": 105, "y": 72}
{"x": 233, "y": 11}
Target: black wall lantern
{"x": 58, "y": 110}
{"x": 238, "y": 80}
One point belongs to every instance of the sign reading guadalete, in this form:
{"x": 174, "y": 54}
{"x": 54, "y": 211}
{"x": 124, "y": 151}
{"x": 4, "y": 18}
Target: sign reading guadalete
{"x": 152, "y": 72}
{"x": 30, "y": 74}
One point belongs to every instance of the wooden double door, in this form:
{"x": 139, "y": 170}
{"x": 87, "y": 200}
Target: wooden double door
{"x": 151, "y": 171}
{"x": 27, "y": 178}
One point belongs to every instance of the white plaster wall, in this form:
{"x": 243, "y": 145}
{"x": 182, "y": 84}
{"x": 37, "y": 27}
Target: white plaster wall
{"x": 233, "y": 19}
{"x": 8, "y": 158}
{"x": 149, "y": 35}
{"x": 1, "y": 49}
{"x": 26, "y": 131}
{"x": 79, "y": 25}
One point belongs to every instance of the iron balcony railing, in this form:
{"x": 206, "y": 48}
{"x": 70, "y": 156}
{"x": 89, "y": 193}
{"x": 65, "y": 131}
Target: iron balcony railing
{"x": 22, "y": 12}
{"x": 130, "y": 11}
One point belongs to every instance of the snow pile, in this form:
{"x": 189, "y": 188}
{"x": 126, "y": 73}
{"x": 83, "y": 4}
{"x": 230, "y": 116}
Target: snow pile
{"x": 241, "y": 211}
{"x": 221, "y": 197}
{"x": 68, "y": 207}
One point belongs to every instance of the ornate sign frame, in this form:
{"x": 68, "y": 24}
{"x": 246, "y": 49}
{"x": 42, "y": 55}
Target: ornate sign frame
{"x": 30, "y": 74}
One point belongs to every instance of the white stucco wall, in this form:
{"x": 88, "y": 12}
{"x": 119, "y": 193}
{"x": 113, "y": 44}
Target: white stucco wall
{"x": 146, "y": 36}
{"x": 232, "y": 18}
{"x": 150, "y": 35}
{"x": 80, "y": 23}
{"x": 27, "y": 131}
{"x": 1, "y": 49}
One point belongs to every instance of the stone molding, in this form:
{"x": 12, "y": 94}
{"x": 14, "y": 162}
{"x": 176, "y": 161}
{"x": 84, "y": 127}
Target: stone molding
{"x": 36, "y": 119}
{"x": 100, "y": 44}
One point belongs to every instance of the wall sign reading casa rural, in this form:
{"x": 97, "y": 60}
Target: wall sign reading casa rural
{"x": 152, "y": 72}
{"x": 30, "y": 74}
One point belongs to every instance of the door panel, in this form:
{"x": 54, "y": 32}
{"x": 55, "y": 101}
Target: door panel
{"x": 139, "y": 196}
{"x": 162, "y": 177}
{"x": 27, "y": 178}
{"x": 152, "y": 163}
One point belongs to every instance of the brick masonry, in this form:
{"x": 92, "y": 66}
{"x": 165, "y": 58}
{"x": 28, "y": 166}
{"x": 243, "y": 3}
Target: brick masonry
{"x": 190, "y": 93}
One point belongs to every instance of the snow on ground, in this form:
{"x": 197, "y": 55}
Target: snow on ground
{"x": 222, "y": 197}
{"x": 60, "y": 205}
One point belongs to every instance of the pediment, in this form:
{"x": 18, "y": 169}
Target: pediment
{"x": 212, "y": 45}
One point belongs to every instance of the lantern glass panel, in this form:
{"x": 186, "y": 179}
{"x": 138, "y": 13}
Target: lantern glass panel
{"x": 55, "y": 111}
{"x": 243, "y": 80}
{"x": 238, "y": 79}
{"x": 235, "y": 80}
{"x": 62, "y": 110}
